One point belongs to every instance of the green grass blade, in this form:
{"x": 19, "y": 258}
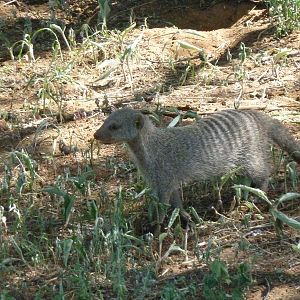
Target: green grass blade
{"x": 285, "y": 219}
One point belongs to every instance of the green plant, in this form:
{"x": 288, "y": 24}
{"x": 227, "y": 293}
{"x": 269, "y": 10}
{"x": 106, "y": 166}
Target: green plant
{"x": 171, "y": 292}
{"x": 62, "y": 32}
{"x": 52, "y": 86}
{"x": 5, "y": 295}
{"x": 220, "y": 183}
{"x": 27, "y": 171}
{"x": 129, "y": 52}
{"x": 29, "y": 39}
{"x": 285, "y": 15}
{"x": 6, "y": 180}
{"x": 219, "y": 281}
{"x": 279, "y": 218}
{"x": 7, "y": 44}
{"x": 239, "y": 69}
{"x": 81, "y": 182}
{"x": 199, "y": 52}
{"x": 189, "y": 71}
{"x": 119, "y": 243}
{"x": 292, "y": 174}
{"x": 104, "y": 11}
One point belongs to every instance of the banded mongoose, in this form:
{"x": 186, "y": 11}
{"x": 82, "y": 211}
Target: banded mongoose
{"x": 167, "y": 157}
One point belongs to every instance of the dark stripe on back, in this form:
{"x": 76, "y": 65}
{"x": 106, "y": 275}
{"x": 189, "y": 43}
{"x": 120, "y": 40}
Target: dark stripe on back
{"x": 222, "y": 128}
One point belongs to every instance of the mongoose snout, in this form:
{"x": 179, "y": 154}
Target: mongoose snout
{"x": 221, "y": 142}
{"x": 104, "y": 136}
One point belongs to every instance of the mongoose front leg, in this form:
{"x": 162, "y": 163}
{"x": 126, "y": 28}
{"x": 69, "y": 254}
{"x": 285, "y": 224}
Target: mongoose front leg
{"x": 175, "y": 201}
{"x": 163, "y": 197}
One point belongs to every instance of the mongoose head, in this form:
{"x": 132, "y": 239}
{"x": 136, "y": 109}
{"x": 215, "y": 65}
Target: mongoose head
{"x": 123, "y": 125}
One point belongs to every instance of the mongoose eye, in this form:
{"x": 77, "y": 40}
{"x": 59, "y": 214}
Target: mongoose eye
{"x": 114, "y": 126}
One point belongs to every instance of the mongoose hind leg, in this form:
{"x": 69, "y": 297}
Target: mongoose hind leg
{"x": 260, "y": 179}
{"x": 258, "y": 169}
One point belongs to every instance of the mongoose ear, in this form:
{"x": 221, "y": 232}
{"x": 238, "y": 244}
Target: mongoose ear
{"x": 139, "y": 122}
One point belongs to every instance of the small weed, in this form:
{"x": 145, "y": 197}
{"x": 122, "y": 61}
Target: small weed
{"x": 119, "y": 243}
{"x": 171, "y": 292}
{"x": 52, "y": 86}
{"x": 5, "y": 295}
{"x": 103, "y": 13}
{"x": 189, "y": 71}
{"x": 26, "y": 172}
{"x": 219, "y": 284}
{"x": 239, "y": 69}
{"x": 128, "y": 54}
{"x": 292, "y": 174}
{"x": 29, "y": 39}
{"x": 279, "y": 218}
{"x": 81, "y": 183}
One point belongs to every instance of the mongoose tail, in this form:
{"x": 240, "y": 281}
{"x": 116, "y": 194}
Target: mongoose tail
{"x": 282, "y": 137}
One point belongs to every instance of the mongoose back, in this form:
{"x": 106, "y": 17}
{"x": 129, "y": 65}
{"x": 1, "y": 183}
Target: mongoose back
{"x": 225, "y": 140}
